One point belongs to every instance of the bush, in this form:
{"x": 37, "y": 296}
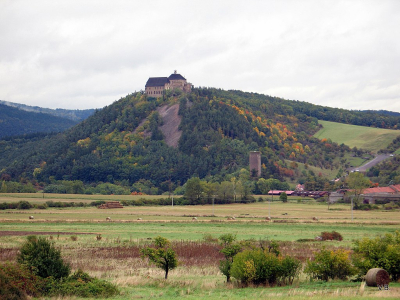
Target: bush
{"x": 283, "y": 197}
{"x": 289, "y": 269}
{"x": 24, "y": 205}
{"x": 41, "y": 206}
{"x": 380, "y": 252}
{"x": 16, "y": 282}
{"x": 80, "y": 284}
{"x": 42, "y": 258}
{"x": 330, "y": 265}
{"x": 330, "y": 236}
{"x": 8, "y": 290}
{"x": 261, "y": 267}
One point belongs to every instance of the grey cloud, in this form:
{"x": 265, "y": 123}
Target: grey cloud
{"x": 76, "y": 54}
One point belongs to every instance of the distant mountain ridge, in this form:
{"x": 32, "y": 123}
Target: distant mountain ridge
{"x": 77, "y": 115}
{"x": 15, "y": 121}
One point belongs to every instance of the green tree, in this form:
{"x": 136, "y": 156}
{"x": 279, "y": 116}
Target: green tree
{"x": 225, "y": 190}
{"x": 283, "y": 197}
{"x": 163, "y": 256}
{"x": 42, "y": 258}
{"x": 229, "y": 250}
{"x": 357, "y": 183}
{"x": 379, "y": 252}
{"x": 209, "y": 189}
{"x": 194, "y": 189}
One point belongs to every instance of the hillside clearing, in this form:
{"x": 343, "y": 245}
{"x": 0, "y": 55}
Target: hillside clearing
{"x": 368, "y": 138}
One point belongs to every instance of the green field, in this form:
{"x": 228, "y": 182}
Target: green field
{"x": 115, "y": 256}
{"x": 368, "y": 138}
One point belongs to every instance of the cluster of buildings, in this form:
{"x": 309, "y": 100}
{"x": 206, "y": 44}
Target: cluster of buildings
{"x": 369, "y": 195}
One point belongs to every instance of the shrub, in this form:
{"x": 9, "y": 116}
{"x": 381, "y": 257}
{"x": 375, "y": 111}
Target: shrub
{"x": 41, "y": 206}
{"x": 80, "y": 284}
{"x": 42, "y": 258}
{"x": 16, "y": 282}
{"x": 283, "y": 197}
{"x": 380, "y": 252}
{"x": 330, "y": 265}
{"x": 289, "y": 269}
{"x": 97, "y": 203}
{"x": 256, "y": 267}
{"x": 208, "y": 238}
{"x": 330, "y": 236}
{"x": 24, "y": 205}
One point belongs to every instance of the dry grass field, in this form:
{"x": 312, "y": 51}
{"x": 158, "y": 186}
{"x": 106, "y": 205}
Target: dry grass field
{"x": 110, "y": 249}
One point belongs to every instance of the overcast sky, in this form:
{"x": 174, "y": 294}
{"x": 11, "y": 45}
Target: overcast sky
{"x": 86, "y": 54}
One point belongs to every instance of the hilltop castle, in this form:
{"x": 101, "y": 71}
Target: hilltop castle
{"x": 155, "y": 86}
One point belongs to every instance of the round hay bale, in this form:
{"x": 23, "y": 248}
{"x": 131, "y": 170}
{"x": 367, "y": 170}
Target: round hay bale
{"x": 108, "y": 219}
{"x": 31, "y": 217}
{"x": 377, "y": 277}
{"x": 139, "y": 219}
{"x": 268, "y": 218}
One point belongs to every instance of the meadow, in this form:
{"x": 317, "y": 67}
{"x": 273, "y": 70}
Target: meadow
{"x": 110, "y": 249}
{"x": 367, "y": 138}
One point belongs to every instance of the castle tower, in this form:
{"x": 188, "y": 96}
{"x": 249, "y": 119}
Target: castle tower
{"x": 255, "y": 163}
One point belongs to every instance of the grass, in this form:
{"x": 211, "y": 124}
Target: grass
{"x": 40, "y": 198}
{"x": 115, "y": 257}
{"x": 368, "y": 138}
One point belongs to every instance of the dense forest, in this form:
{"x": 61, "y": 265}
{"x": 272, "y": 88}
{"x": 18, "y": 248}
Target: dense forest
{"x": 14, "y": 121}
{"x": 76, "y": 115}
{"x": 122, "y": 144}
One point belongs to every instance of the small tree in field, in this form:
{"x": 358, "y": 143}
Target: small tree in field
{"x": 162, "y": 255}
{"x": 42, "y": 258}
{"x": 231, "y": 248}
{"x": 283, "y": 197}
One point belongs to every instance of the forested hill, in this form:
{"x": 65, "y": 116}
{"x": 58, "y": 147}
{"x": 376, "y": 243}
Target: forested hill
{"x": 124, "y": 143}
{"x": 76, "y": 115}
{"x": 14, "y": 121}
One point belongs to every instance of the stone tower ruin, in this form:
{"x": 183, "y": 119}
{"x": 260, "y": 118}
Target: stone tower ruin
{"x": 255, "y": 163}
